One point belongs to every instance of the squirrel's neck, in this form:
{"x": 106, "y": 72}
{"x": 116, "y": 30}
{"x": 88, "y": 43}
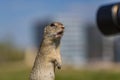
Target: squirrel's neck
{"x": 50, "y": 42}
{"x": 46, "y": 42}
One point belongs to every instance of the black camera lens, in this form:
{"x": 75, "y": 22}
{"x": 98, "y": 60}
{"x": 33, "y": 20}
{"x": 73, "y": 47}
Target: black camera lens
{"x": 108, "y": 19}
{"x": 119, "y": 15}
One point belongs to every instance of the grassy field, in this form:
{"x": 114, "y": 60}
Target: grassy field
{"x": 14, "y": 71}
{"x": 18, "y": 71}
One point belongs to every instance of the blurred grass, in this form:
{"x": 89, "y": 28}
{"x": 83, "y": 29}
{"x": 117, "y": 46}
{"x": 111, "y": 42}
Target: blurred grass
{"x": 14, "y": 71}
{"x": 88, "y": 75}
{"x": 10, "y": 53}
{"x": 18, "y": 71}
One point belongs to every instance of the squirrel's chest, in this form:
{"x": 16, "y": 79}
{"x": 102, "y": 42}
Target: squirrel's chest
{"x": 43, "y": 75}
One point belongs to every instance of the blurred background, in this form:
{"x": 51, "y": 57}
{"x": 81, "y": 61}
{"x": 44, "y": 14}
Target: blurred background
{"x": 86, "y": 53}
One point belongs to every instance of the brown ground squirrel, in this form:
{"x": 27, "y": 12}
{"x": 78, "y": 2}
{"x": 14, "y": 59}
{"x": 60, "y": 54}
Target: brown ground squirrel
{"x": 48, "y": 57}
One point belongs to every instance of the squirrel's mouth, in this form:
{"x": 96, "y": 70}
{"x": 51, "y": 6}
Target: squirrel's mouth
{"x": 59, "y": 34}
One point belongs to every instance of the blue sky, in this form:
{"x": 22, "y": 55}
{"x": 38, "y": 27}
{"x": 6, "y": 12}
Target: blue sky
{"x": 16, "y": 16}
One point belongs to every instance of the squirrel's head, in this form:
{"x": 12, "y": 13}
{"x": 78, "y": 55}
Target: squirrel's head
{"x": 54, "y": 30}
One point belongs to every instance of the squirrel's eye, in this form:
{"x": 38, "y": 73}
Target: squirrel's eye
{"x": 52, "y": 25}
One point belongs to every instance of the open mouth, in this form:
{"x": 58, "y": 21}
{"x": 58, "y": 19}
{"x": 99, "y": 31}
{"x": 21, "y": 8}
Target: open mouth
{"x": 60, "y": 33}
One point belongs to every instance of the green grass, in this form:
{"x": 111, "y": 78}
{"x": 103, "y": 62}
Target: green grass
{"x": 14, "y": 71}
{"x": 87, "y": 75}
{"x": 18, "y": 71}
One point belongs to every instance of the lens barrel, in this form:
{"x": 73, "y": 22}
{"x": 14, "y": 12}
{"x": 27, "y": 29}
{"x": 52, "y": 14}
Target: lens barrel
{"x": 119, "y": 15}
{"x": 108, "y": 19}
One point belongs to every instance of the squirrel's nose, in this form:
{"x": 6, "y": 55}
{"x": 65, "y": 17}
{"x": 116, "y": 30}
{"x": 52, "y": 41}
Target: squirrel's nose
{"x": 62, "y": 27}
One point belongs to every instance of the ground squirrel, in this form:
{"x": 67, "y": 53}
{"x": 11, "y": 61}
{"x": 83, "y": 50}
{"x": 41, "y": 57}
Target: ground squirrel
{"x": 48, "y": 57}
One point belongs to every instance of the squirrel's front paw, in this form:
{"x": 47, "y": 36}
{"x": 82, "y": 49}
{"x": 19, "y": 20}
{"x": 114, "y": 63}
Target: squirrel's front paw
{"x": 57, "y": 65}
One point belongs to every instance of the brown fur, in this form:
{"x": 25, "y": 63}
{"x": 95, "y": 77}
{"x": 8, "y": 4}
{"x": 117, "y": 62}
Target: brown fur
{"x": 48, "y": 57}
